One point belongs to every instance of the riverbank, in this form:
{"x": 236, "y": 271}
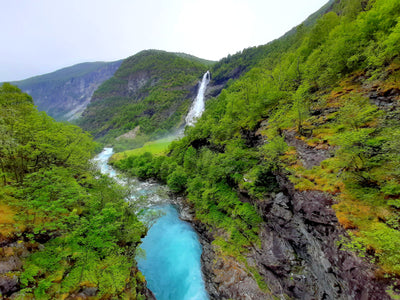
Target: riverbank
{"x": 171, "y": 264}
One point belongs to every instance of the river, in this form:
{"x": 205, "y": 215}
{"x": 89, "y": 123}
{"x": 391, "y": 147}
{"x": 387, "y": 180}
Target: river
{"x": 172, "y": 249}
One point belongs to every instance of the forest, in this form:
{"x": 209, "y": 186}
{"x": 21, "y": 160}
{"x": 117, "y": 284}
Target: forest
{"x": 70, "y": 224}
{"x": 333, "y": 86}
{"x": 150, "y": 91}
{"x": 316, "y": 112}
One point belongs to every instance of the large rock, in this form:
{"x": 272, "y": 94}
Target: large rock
{"x": 11, "y": 256}
{"x": 8, "y": 285}
{"x": 309, "y": 156}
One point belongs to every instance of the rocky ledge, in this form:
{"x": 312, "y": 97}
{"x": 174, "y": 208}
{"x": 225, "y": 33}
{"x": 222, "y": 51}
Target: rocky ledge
{"x": 224, "y": 277}
{"x": 301, "y": 254}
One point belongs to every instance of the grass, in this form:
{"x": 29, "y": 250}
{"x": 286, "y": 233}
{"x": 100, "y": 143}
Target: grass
{"x": 158, "y": 147}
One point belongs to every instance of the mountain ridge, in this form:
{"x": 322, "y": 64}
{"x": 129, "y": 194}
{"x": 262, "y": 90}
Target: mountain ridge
{"x": 152, "y": 89}
{"x": 64, "y": 93}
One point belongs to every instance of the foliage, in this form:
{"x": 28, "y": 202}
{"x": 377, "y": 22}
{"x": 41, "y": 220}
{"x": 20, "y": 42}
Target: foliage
{"x": 310, "y": 85}
{"x": 150, "y": 89}
{"x": 88, "y": 231}
{"x": 209, "y": 178}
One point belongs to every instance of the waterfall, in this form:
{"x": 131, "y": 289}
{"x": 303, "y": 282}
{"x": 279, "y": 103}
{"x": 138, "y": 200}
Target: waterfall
{"x": 197, "y": 107}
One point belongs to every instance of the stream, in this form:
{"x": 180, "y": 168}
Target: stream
{"x": 171, "y": 263}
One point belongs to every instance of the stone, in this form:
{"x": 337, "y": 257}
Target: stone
{"x": 309, "y": 156}
{"x": 8, "y": 285}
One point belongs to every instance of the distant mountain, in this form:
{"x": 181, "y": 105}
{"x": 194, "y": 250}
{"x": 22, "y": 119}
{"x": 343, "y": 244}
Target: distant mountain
{"x": 152, "y": 89}
{"x": 65, "y": 93}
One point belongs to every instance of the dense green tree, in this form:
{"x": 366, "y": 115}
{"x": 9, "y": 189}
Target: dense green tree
{"x": 90, "y": 233}
{"x": 317, "y": 85}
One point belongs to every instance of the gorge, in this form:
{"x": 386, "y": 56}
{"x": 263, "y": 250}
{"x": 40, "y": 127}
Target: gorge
{"x": 171, "y": 259}
{"x": 171, "y": 262}
{"x": 284, "y": 185}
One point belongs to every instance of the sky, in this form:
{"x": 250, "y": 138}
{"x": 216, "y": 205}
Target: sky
{"x": 41, "y": 36}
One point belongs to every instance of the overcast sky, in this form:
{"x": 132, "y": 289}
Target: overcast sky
{"x": 41, "y": 36}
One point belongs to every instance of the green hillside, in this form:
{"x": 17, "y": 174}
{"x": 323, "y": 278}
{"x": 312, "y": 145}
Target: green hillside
{"x": 315, "y": 115}
{"x": 233, "y": 66}
{"x": 152, "y": 89}
{"x": 64, "y": 94}
{"x": 64, "y": 73}
{"x": 65, "y": 229}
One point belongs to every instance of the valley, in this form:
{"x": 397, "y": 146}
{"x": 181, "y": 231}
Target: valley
{"x": 282, "y": 161}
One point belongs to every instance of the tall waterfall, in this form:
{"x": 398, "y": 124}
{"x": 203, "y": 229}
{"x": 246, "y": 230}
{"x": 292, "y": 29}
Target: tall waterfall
{"x": 198, "y": 105}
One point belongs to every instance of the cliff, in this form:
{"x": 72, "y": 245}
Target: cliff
{"x": 65, "y": 93}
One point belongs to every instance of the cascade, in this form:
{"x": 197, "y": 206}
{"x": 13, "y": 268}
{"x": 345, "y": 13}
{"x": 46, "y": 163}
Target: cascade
{"x": 197, "y": 107}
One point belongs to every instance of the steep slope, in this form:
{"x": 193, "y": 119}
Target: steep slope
{"x": 292, "y": 171}
{"x": 152, "y": 89}
{"x": 233, "y": 66}
{"x": 66, "y": 230}
{"x": 65, "y": 93}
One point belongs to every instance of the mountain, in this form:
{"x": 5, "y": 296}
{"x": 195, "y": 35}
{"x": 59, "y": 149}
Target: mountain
{"x": 233, "y": 66}
{"x": 65, "y": 93}
{"x": 151, "y": 90}
{"x": 292, "y": 173}
{"x": 290, "y": 177}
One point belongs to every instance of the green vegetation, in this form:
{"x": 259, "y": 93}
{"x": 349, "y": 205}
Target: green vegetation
{"x": 233, "y": 66}
{"x": 157, "y": 147}
{"x": 208, "y": 177}
{"x": 81, "y": 232}
{"x": 152, "y": 89}
{"x": 315, "y": 82}
{"x": 332, "y": 83}
{"x": 196, "y": 59}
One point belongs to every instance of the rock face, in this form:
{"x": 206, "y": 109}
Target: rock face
{"x": 308, "y": 155}
{"x": 300, "y": 253}
{"x": 11, "y": 256}
{"x": 384, "y": 99}
{"x": 300, "y": 256}
{"x": 130, "y": 134}
{"x": 224, "y": 277}
{"x": 64, "y": 94}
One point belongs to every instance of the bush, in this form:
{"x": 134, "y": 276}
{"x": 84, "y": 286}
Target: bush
{"x": 177, "y": 180}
